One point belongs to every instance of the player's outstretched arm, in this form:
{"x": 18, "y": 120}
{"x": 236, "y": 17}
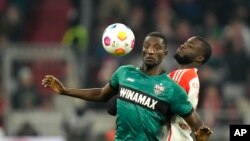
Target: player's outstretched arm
{"x": 92, "y": 94}
{"x": 201, "y": 132}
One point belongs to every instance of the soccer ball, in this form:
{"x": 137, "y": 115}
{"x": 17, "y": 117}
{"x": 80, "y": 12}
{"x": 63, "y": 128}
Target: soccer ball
{"x": 118, "y": 39}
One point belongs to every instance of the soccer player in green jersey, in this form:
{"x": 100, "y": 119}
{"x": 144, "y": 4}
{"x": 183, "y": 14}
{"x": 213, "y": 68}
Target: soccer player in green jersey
{"x": 147, "y": 97}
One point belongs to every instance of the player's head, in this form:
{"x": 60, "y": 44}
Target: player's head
{"x": 154, "y": 49}
{"x": 195, "y": 51}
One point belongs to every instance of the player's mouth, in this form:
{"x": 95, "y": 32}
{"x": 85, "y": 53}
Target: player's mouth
{"x": 149, "y": 58}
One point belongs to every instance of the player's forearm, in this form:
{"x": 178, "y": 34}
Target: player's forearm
{"x": 194, "y": 121}
{"x": 93, "y": 94}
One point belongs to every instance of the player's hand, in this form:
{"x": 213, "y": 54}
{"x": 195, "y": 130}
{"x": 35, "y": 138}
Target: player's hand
{"x": 203, "y": 133}
{"x": 52, "y": 82}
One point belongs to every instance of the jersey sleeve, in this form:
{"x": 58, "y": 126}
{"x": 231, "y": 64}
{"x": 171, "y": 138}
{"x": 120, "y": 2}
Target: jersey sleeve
{"x": 114, "y": 81}
{"x": 179, "y": 102}
{"x": 190, "y": 82}
{"x": 193, "y": 93}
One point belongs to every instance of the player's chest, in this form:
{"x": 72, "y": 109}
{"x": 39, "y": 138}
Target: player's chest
{"x": 155, "y": 86}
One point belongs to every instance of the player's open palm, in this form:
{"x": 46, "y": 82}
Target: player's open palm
{"x": 52, "y": 82}
{"x": 203, "y": 134}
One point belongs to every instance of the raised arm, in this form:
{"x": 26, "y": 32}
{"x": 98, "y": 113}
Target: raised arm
{"x": 91, "y": 94}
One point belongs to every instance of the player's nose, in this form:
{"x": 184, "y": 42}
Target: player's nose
{"x": 150, "y": 50}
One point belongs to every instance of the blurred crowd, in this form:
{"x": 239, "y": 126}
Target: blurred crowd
{"x": 225, "y": 24}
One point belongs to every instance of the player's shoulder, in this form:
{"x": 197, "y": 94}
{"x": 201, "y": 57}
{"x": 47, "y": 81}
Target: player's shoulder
{"x": 127, "y": 67}
{"x": 175, "y": 86}
{"x": 172, "y": 81}
{"x": 183, "y": 73}
{"x": 191, "y": 72}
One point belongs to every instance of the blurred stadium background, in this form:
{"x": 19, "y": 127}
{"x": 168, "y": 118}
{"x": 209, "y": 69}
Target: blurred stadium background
{"x": 63, "y": 38}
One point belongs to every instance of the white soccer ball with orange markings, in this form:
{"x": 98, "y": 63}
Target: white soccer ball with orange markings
{"x": 118, "y": 39}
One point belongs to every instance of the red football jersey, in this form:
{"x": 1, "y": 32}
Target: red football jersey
{"x": 189, "y": 81}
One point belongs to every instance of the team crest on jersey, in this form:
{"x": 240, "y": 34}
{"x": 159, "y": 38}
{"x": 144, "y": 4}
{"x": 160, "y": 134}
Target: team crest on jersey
{"x": 158, "y": 89}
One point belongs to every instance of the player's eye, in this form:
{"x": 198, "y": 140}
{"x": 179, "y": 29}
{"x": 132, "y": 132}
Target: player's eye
{"x": 158, "y": 47}
{"x": 145, "y": 46}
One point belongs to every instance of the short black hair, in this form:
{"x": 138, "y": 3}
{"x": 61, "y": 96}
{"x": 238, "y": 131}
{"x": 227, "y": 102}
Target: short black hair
{"x": 160, "y": 35}
{"x": 207, "y": 50}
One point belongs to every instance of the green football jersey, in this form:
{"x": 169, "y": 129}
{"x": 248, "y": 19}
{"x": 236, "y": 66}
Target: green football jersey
{"x": 144, "y": 104}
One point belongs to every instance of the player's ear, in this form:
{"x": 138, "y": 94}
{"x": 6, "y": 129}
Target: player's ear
{"x": 166, "y": 52}
{"x": 200, "y": 59}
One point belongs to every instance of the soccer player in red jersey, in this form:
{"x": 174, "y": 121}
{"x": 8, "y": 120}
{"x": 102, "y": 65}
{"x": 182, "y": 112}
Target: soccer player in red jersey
{"x": 190, "y": 56}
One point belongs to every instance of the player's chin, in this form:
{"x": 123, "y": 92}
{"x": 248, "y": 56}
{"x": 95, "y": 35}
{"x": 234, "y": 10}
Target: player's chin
{"x": 150, "y": 63}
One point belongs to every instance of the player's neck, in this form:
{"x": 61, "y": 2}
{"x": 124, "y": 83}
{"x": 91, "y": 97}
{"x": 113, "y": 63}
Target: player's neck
{"x": 187, "y": 66}
{"x": 152, "y": 71}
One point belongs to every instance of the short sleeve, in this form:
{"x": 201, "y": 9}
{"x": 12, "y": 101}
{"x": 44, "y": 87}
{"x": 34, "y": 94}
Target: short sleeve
{"x": 114, "y": 81}
{"x": 179, "y": 102}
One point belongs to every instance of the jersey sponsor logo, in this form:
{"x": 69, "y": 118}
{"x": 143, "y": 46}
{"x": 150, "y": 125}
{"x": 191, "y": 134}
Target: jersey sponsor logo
{"x": 158, "y": 88}
{"x": 139, "y": 98}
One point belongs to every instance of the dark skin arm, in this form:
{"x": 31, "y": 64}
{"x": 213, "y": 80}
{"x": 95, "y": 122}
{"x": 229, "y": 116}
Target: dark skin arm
{"x": 93, "y": 94}
{"x": 201, "y": 132}
{"x": 194, "y": 121}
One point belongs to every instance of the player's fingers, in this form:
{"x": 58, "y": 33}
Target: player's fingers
{"x": 207, "y": 130}
{"x": 47, "y": 81}
{"x": 45, "y": 84}
{"x": 210, "y": 132}
{"x": 49, "y": 78}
